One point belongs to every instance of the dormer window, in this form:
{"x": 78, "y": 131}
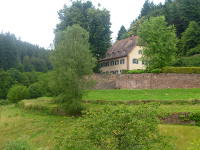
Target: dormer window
{"x": 140, "y": 52}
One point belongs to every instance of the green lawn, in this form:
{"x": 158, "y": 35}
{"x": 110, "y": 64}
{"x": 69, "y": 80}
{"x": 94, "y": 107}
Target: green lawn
{"x": 150, "y": 94}
{"x": 183, "y": 136}
{"x": 40, "y": 129}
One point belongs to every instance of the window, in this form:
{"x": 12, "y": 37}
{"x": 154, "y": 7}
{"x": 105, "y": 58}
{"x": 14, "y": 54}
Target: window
{"x": 107, "y": 63}
{"x": 135, "y": 61}
{"x": 116, "y": 62}
{"x": 121, "y": 61}
{"x": 112, "y": 63}
{"x": 140, "y": 52}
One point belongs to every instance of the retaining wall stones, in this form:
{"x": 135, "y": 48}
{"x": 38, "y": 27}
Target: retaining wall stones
{"x": 146, "y": 81}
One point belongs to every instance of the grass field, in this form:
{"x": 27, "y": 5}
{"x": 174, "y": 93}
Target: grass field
{"x": 40, "y": 129}
{"x": 150, "y": 94}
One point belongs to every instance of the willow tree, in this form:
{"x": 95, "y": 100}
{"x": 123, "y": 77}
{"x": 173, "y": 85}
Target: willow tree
{"x": 72, "y": 61}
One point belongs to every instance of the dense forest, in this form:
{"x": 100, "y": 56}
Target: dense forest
{"x": 23, "y": 56}
{"x": 184, "y": 15}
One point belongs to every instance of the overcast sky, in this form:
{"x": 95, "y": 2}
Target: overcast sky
{"x": 34, "y": 20}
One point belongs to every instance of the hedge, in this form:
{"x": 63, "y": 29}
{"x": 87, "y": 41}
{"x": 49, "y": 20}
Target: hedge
{"x": 184, "y": 70}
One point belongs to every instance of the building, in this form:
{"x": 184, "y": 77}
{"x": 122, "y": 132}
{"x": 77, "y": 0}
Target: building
{"x": 123, "y": 55}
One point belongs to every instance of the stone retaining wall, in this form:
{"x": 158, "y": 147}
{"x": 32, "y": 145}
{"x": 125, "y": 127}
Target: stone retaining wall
{"x": 147, "y": 81}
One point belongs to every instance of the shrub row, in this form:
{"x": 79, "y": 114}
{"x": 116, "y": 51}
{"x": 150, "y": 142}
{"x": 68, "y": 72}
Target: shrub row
{"x": 142, "y": 71}
{"x": 184, "y": 70}
{"x": 20, "y": 92}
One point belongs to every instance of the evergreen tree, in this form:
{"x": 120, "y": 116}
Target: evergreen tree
{"x": 190, "y": 38}
{"x": 122, "y": 33}
{"x": 148, "y": 7}
{"x": 133, "y": 30}
{"x": 8, "y": 52}
{"x": 22, "y": 55}
{"x": 181, "y": 12}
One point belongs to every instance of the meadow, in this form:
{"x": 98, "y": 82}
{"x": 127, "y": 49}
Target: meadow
{"x": 40, "y": 121}
{"x": 41, "y": 129}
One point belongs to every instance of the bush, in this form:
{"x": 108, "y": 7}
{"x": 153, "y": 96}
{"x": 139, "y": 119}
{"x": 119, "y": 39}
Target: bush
{"x": 73, "y": 107}
{"x": 195, "y": 117}
{"x": 118, "y": 128}
{"x": 3, "y": 102}
{"x": 136, "y": 71}
{"x": 194, "y": 51}
{"x": 17, "y": 145}
{"x": 186, "y": 70}
{"x": 17, "y": 93}
{"x": 35, "y": 90}
{"x": 156, "y": 71}
{"x": 187, "y": 61}
{"x": 6, "y": 83}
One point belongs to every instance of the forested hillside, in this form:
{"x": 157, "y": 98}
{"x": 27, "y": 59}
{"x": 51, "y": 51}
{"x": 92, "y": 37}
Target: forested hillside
{"x": 23, "y": 56}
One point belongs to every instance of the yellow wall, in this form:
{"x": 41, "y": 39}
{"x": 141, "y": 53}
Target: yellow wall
{"x": 134, "y": 54}
{"x": 115, "y": 67}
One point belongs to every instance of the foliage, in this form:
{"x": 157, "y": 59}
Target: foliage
{"x": 195, "y": 117}
{"x": 44, "y": 128}
{"x": 94, "y": 20}
{"x": 194, "y": 51}
{"x": 136, "y": 71}
{"x": 143, "y": 71}
{"x": 13, "y": 76}
{"x": 159, "y": 42}
{"x": 188, "y": 61}
{"x": 3, "y": 102}
{"x": 22, "y": 55}
{"x": 177, "y": 12}
{"x": 134, "y": 27}
{"x": 122, "y": 34}
{"x": 185, "y": 70}
{"x": 8, "y": 51}
{"x": 119, "y": 128}
{"x": 36, "y": 90}
{"x": 156, "y": 71}
{"x": 6, "y": 82}
{"x": 72, "y": 61}
{"x": 17, "y": 93}
{"x": 190, "y": 38}
{"x": 18, "y": 145}
{"x": 151, "y": 9}
{"x": 147, "y": 8}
